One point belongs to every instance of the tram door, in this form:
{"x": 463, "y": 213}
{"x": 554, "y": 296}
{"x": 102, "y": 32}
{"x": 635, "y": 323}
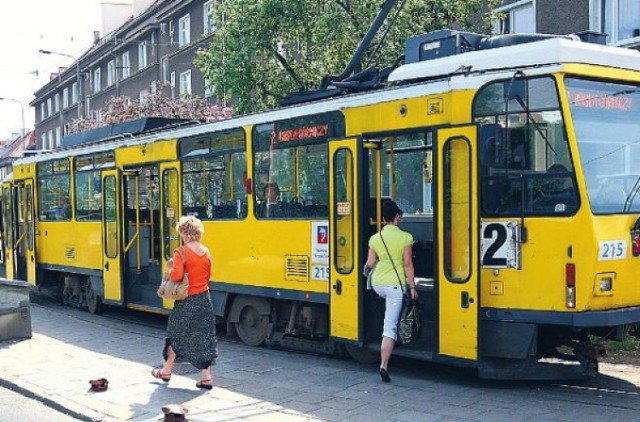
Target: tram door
{"x": 141, "y": 201}
{"x": 457, "y": 217}
{"x": 23, "y": 230}
{"x": 170, "y": 210}
{"x": 112, "y": 236}
{"x": 8, "y": 231}
{"x": 345, "y": 265}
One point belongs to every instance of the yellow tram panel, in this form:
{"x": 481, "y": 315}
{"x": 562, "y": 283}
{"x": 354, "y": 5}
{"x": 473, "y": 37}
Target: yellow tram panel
{"x": 163, "y": 150}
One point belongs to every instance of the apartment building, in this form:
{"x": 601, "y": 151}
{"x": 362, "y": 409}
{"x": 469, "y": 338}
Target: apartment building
{"x": 618, "y": 19}
{"x": 157, "y": 42}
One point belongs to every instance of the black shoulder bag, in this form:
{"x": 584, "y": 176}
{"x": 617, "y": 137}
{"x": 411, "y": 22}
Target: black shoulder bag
{"x": 410, "y": 322}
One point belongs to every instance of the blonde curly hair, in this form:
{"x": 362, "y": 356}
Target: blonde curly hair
{"x": 190, "y": 227}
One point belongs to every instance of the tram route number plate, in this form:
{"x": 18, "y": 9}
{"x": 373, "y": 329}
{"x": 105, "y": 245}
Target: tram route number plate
{"x": 610, "y": 250}
{"x": 320, "y": 272}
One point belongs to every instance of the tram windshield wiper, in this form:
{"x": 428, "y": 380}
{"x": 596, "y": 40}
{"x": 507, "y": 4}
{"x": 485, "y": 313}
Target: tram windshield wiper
{"x": 631, "y": 196}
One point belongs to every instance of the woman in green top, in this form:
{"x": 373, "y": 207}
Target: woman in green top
{"x": 391, "y": 249}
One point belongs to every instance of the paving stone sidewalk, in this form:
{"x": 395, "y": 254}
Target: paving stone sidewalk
{"x": 70, "y": 348}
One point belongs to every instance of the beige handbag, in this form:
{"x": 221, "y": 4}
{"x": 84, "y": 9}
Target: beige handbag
{"x": 172, "y": 290}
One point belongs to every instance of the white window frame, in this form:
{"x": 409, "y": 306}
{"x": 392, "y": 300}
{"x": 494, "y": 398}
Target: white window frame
{"x": 43, "y": 140}
{"x": 596, "y": 21}
{"x": 125, "y": 65}
{"x": 142, "y": 55}
{"x": 510, "y": 10}
{"x": 43, "y": 112}
{"x": 96, "y": 80}
{"x": 111, "y": 72}
{"x": 49, "y": 106}
{"x": 173, "y": 80}
{"x": 184, "y": 31}
{"x": 65, "y": 98}
{"x": 74, "y": 93}
{"x": 164, "y": 68}
{"x": 58, "y": 137}
{"x": 56, "y": 103}
{"x": 143, "y": 95}
{"x": 207, "y": 22}
{"x": 50, "y": 139}
{"x": 185, "y": 84}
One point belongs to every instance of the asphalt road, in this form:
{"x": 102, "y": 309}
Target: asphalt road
{"x": 18, "y": 407}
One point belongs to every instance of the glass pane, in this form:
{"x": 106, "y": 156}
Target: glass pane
{"x": 110, "y": 217}
{"x": 457, "y": 210}
{"x": 88, "y": 196}
{"x": 606, "y": 117}
{"x": 29, "y": 205}
{"x": 170, "y": 211}
{"x": 344, "y": 203}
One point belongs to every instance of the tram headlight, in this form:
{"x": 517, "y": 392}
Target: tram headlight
{"x": 606, "y": 284}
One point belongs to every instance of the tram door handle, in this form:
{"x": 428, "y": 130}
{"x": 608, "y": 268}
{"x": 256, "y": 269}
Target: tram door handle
{"x": 338, "y": 287}
{"x": 465, "y": 300}
{"x": 106, "y": 266}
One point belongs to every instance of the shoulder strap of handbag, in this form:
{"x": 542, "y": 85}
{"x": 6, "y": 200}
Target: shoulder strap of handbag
{"x": 392, "y": 263}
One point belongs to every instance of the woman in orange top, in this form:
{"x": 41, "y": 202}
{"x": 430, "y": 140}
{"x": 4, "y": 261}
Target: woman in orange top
{"x": 191, "y": 329}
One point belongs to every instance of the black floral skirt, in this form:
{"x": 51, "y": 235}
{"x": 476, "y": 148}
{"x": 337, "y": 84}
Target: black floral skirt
{"x": 191, "y": 331}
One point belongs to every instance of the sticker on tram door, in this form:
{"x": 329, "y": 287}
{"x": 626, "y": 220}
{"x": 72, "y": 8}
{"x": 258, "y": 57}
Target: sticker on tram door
{"x": 635, "y": 239}
{"x": 500, "y": 244}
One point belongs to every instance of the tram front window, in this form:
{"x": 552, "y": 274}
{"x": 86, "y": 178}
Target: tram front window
{"x": 525, "y": 165}
{"x": 606, "y": 118}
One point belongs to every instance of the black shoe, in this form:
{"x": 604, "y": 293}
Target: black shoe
{"x": 384, "y": 375}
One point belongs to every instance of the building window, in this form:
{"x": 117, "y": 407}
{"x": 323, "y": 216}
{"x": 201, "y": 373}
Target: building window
{"x": 185, "y": 84}
{"x": 43, "y": 141}
{"x": 164, "y": 65}
{"x": 517, "y": 18}
{"x": 43, "y": 113}
{"x": 49, "y": 107}
{"x": 143, "y": 95}
{"x": 56, "y": 103}
{"x": 125, "y": 65}
{"x": 111, "y": 72}
{"x": 58, "y": 137}
{"x": 74, "y": 93}
{"x": 97, "y": 86}
{"x": 142, "y": 55}
{"x": 184, "y": 31}
{"x": 207, "y": 13}
{"x": 87, "y": 107}
{"x": 50, "y": 139}
{"x": 619, "y": 19}
{"x": 65, "y": 98}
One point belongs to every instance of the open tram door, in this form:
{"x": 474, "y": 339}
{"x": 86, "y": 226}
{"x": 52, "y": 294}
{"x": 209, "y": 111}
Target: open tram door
{"x": 170, "y": 211}
{"x": 457, "y": 242}
{"x": 112, "y": 237}
{"x": 8, "y": 231}
{"x": 344, "y": 260}
{"x": 23, "y": 246}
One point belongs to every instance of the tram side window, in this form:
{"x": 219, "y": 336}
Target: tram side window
{"x": 214, "y": 172}
{"x": 525, "y": 164}
{"x": 291, "y": 166}
{"x": 88, "y": 188}
{"x": 53, "y": 191}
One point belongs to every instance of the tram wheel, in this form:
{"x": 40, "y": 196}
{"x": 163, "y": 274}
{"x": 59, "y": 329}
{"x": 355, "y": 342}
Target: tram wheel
{"x": 362, "y": 354}
{"x": 252, "y": 327}
{"x": 94, "y": 302}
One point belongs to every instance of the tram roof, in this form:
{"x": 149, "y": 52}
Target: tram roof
{"x": 541, "y": 57}
{"x": 545, "y": 52}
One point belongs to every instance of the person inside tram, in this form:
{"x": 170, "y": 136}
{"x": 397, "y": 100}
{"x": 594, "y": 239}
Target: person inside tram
{"x": 270, "y": 207}
{"x": 64, "y": 209}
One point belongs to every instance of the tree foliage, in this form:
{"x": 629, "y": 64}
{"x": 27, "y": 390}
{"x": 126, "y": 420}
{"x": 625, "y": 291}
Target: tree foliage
{"x": 122, "y": 109}
{"x": 263, "y": 49}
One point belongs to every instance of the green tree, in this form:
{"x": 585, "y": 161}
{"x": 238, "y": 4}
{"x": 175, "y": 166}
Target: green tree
{"x": 263, "y": 49}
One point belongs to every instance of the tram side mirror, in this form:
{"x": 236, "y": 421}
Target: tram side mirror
{"x": 492, "y": 145}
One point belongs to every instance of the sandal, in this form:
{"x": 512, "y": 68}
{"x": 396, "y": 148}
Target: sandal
{"x": 205, "y": 384}
{"x": 100, "y": 384}
{"x": 157, "y": 373}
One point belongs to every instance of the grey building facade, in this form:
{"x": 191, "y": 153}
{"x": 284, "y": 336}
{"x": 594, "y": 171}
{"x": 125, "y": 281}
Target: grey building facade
{"x": 618, "y": 19}
{"x": 151, "y": 51}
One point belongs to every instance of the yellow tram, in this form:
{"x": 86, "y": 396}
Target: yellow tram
{"x": 513, "y": 165}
